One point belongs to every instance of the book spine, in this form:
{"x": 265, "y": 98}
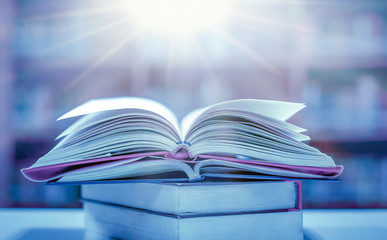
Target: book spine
{"x": 180, "y": 155}
{"x": 298, "y": 188}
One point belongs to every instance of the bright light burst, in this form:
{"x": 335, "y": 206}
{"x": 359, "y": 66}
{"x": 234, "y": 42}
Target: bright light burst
{"x": 182, "y": 20}
{"x": 177, "y": 16}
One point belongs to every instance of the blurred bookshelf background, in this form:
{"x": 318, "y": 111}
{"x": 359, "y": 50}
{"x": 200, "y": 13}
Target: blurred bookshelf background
{"x": 331, "y": 55}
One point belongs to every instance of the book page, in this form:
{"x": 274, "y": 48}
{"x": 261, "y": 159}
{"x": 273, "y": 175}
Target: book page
{"x": 119, "y": 115}
{"x": 274, "y": 109}
{"x": 224, "y": 167}
{"x": 128, "y": 169}
{"x": 105, "y": 104}
{"x": 187, "y": 121}
{"x": 278, "y": 110}
{"x": 269, "y": 108}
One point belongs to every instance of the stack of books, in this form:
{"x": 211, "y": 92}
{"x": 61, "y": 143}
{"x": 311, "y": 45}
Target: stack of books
{"x": 186, "y": 180}
{"x": 205, "y": 210}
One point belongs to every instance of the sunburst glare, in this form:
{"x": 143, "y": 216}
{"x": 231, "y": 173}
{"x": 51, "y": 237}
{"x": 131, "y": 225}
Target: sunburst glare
{"x": 87, "y": 34}
{"x": 189, "y": 21}
{"x": 102, "y": 59}
{"x": 177, "y": 16}
{"x": 247, "y": 51}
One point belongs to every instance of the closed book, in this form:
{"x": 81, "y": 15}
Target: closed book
{"x": 189, "y": 199}
{"x": 128, "y": 223}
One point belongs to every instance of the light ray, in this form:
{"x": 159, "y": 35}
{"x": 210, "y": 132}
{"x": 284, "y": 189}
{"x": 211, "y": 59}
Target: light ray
{"x": 71, "y": 13}
{"x": 203, "y": 59}
{"x": 248, "y": 51}
{"x": 101, "y": 60}
{"x": 263, "y": 33}
{"x": 90, "y": 22}
{"x": 82, "y": 36}
{"x": 296, "y": 2}
{"x": 275, "y": 22}
{"x": 170, "y": 63}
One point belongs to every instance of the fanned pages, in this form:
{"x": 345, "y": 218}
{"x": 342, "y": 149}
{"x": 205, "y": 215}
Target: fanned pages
{"x": 130, "y": 138}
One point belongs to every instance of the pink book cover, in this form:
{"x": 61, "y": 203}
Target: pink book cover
{"x": 52, "y": 172}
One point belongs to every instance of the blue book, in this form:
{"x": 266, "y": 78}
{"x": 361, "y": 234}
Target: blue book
{"x": 117, "y": 222}
{"x": 202, "y": 210}
{"x": 194, "y": 199}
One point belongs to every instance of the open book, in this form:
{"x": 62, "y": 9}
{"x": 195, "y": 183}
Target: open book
{"x": 129, "y": 137}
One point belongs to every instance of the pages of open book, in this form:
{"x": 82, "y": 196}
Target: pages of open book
{"x": 219, "y": 167}
{"x": 106, "y": 104}
{"x": 216, "y": 168}
{"x": 278, "y": 110}
{"x": 127, "y": 169}
{"x": 273, "y": 109}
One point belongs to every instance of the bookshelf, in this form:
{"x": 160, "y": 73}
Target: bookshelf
{"x": 7, "y": 76}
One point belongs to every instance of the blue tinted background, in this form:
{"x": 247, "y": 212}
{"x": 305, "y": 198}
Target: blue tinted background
{"x": 331, "y": 55}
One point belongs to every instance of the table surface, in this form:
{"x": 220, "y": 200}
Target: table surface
{"x": 60, "y": 224}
